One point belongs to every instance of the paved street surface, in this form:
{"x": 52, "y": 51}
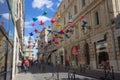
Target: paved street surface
{"x": 46, "y": 72}
{"x": 48, "y": 76}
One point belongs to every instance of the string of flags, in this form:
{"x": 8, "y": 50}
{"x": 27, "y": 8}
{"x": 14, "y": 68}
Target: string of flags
{"x": 58, "y": 35}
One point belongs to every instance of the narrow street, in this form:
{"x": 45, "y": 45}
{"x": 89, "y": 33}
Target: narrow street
{"x": 59, "y": 39}
{"x": 49, "y": 72}
{"x": 36, "y": 72}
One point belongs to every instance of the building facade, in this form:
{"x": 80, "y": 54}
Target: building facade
{"x": 11, "y": 41}
{"x": 97, "y": 41}
{"x": 28, "y": 49}
{"x": 42, "y": 42}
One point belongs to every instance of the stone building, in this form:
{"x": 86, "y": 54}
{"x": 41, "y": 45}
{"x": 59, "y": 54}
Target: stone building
{"x": 11, "y": 36}
{"x": 98, "y": 41}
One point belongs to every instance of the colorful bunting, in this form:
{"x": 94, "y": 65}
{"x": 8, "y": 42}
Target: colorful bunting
{"x": 31, "y": 34}
{"x": 61, "y": 32}
{"x": 71, "y": 30}
{"x": 82, "y": 17}
{"x": 53, "y": 20}
{"x": 66, "y": 35}
{"x": 56, "y": 42}
{"x": 44, "y": 13}
{"x": 35, "y": 19}
{"x": 58, "y": 25}
{"x": 49, "y": 31}
{"x": 41, "y": 23}
{"x": 33, "y": 24}
{"x": 36, "y": 31}
{"x": 67, "y": 30}
{"x": 61, "y": 37}
{"x": 53, "y": 40}
{"x": 58, "y": 15}
{"x": 84, "y": 24}
{"x": 56, "y": 35}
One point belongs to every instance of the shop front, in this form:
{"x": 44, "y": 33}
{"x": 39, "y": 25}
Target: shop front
{"x": 101, "y": 53}
{"x": 75, "y": 56}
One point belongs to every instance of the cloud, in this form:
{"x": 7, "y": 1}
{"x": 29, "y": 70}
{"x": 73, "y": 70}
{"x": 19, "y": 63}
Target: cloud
{"x": 26, "y": 39}
{"x": 41, "y": 3}
{"x": 43, "y": 18}
{"x": 6, "y": 15}
{"x": 2, "y": 1}
{"x": 28, "y": 24}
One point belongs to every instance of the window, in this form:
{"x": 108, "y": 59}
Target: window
{"x": 64, "y": 6}
{"x": 83, "y": 3}
{"x": 69, "y": 15}
{"x": 68, "y": 1}
{"x": 64, "y": 20}
{"x": 75, "y": 9}
{"x": 96, "y": 18}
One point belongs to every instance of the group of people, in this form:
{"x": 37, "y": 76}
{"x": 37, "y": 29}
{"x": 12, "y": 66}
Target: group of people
{"x": 23, "y": 65}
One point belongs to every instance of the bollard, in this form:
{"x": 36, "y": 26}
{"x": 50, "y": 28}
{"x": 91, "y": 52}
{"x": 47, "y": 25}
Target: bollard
{"x": 73, "y": 75}
{"x": 113, "y": 77}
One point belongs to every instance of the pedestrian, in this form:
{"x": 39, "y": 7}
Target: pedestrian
{"x": 19, "y": 66}
{"x": 26, "y": 65}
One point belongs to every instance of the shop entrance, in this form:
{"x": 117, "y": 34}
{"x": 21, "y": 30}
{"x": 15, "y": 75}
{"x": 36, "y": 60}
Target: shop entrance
{"x": 103, "y": 56}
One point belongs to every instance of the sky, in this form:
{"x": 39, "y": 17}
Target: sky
{"x": 35, "y": 9}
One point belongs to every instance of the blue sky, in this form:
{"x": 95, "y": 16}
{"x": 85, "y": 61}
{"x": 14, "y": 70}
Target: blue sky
{"x": 35, "y": 9}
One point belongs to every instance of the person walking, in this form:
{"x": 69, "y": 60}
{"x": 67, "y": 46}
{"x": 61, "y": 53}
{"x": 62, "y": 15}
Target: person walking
{"x": 26, "y": 65}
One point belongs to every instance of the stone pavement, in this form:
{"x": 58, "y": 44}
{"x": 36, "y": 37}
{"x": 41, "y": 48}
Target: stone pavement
{"x": 48, "y": 76}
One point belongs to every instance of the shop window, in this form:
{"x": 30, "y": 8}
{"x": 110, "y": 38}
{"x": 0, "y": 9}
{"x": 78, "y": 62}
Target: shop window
{"x": 96, "y": 20}
{"x": 76, "y": 59}
{"x": 103, "y": 56}
{"x": 75, "y": 9}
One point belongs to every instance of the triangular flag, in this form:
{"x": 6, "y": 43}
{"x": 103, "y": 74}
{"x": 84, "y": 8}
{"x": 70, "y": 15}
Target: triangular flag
{"x": 41, "y": 22}
{"x": 31, "y": 34}
{"x": 33, "y": 24}
{"x": 58, "y": 15}
{"x": 36, "y": 31}
{"x": 35, "y": 19}
{"x": 44, "y": 13}
{"x": 82, "y": 17}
